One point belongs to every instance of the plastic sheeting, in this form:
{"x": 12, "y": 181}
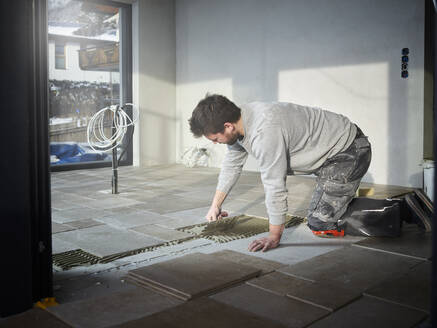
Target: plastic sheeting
{"x": 72, "y": 152}
{"x": 374, "y": 217}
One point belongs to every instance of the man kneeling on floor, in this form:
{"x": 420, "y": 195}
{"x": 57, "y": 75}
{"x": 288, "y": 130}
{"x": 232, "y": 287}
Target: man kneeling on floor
{"x": 286, "y": 139}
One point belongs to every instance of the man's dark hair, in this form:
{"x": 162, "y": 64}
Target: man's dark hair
{"x": 211, "y": 113}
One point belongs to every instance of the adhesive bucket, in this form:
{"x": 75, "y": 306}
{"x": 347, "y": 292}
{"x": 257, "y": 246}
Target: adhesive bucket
{"x": 428, "y": 178}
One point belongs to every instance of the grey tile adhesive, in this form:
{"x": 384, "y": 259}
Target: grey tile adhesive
{"x": 237, "y": 227}
{"x": 223, "y": 231}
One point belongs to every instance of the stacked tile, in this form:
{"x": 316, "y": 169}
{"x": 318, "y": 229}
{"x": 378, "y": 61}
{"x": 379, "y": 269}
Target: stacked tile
{"x": 192, "y": 275}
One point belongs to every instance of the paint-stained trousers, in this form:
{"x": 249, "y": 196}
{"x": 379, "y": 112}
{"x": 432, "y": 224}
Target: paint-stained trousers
{"x": 337, "y": 182}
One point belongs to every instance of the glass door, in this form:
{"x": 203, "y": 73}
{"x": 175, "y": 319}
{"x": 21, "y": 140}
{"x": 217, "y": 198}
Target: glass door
{"x": 86, "y": 43}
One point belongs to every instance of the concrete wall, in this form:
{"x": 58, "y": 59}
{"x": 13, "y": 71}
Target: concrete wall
{"x": 342, "y": 55}
{"x": 154, "y": 76}
{"x": 72, "y": 72}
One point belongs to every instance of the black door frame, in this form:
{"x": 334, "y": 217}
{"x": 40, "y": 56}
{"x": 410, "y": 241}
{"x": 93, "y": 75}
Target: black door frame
{"x": 24, "y": 169}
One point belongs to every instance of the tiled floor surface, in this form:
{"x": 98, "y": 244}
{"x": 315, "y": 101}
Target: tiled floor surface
{"x": 155, "y": 201}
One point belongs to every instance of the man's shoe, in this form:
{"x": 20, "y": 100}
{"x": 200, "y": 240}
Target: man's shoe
{"x": 327, "y": 230}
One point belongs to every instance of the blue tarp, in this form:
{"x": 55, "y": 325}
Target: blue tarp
{"x": 72, "y": 152}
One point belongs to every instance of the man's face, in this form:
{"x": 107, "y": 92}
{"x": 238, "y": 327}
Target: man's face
{"x": 229, "y": 136}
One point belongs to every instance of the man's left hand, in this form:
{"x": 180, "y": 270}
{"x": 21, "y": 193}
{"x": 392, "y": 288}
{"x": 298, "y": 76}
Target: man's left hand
{"x": 264, "y": 244}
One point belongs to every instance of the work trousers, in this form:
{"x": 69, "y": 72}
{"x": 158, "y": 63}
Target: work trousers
{"x": 337, "y": 182}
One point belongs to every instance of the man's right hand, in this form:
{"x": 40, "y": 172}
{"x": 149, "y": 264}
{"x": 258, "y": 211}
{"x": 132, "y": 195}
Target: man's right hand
{"x": 215, "y": 213}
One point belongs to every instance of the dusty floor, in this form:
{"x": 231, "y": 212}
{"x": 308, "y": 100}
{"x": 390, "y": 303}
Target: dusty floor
{"x": 154, "y": 202}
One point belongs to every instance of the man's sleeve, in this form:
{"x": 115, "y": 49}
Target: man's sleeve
{"x": 231, "y": 167}
{"x": 270, "y": 150}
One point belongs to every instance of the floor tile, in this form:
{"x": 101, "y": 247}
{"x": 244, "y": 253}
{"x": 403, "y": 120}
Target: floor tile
{"x": 58, "y": 227}
{"x": 156, "y": 231}
{"x": 89, "y": 286}
{"x": 415, "y": 243}
{"x": 351, "y": 267}
{"x": 201, "y": 313}
{"x": 81, "y": 224}
{"x": 76, "y": 214}
{"x": 264, "y": 265}
{"x": 109, "y": 202}
{"x": 104, "y": 240}
{"x": 62, "y": 205}
{"x": 370, "y": 312}
{"x": 284, "y": 310}
{"x": 173, "y": 223}
{"x": 177, "y": 205}
{"x": 411, "y": 289}
{"x": 198, "y": 213}
{"x": 113, "y": 309}
{"x": 33, "y": 318}
{"x": 194, "y": 275}
{"x": 60, "y": 246}
{"x": 318, "y": 294}
{"x": 133, "y": 219}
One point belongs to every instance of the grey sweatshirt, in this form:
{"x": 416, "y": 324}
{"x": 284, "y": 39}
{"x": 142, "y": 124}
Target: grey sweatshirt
{"x": 285, "y": 139}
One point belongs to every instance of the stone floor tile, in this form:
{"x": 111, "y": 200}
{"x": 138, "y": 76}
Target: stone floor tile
{"x": 414, "y": 243}
{"x": 326, "y": 296}
{"x": 62, "y": 205}
{"x": 81, "y": 224}
{"x": 201, "y": 313}
{"x": 264, "y": 265}
{"x": 88, "y": 286}
{"x": 104, "y": 240}
{"x": 80, "y": 213}
{"x": 194, "y": 213}
{"x": 239, "y": 206}
{"x": 185, "y": 218}
{"x": 37, "y": 318}
{"x": 198, "y": 194}
{"x": 58, "y": 227}
{"x": 109, "y": 202}
{"x": 165, "y": 205}
{"x": 411, "y": 289}
{"x": 112, "y": 309}
{"x": 370, "y": 312}
{"x": 193, "y": 275}
{"x": 60, "y": 246}
{"x": 133, "y": 219}
{"x": 352, "y": 267}
{"x": 156, "y": 231}
{"x": 284, "y": 310}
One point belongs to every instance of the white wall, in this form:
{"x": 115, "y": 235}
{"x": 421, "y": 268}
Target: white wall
{"x": 154, "y": 77}
{"x": 343, "y": 55}
{"x": 72, "y": 71}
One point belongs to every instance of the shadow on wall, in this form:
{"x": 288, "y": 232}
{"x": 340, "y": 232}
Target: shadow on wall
{"x": 353, "y": 47}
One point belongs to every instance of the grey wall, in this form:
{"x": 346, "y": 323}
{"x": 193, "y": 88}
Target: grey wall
{"x": 154, "y": 76}
{"x": 342, "y": 55}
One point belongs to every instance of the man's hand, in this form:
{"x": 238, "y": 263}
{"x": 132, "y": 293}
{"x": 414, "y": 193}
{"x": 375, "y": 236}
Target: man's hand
{"x": 215, "y": 214}
{"x": 264, "y": 244}
{"x": 272, "y": 241}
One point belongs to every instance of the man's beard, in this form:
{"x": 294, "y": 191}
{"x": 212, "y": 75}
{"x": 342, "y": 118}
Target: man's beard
{"x": 234, "y": 139}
